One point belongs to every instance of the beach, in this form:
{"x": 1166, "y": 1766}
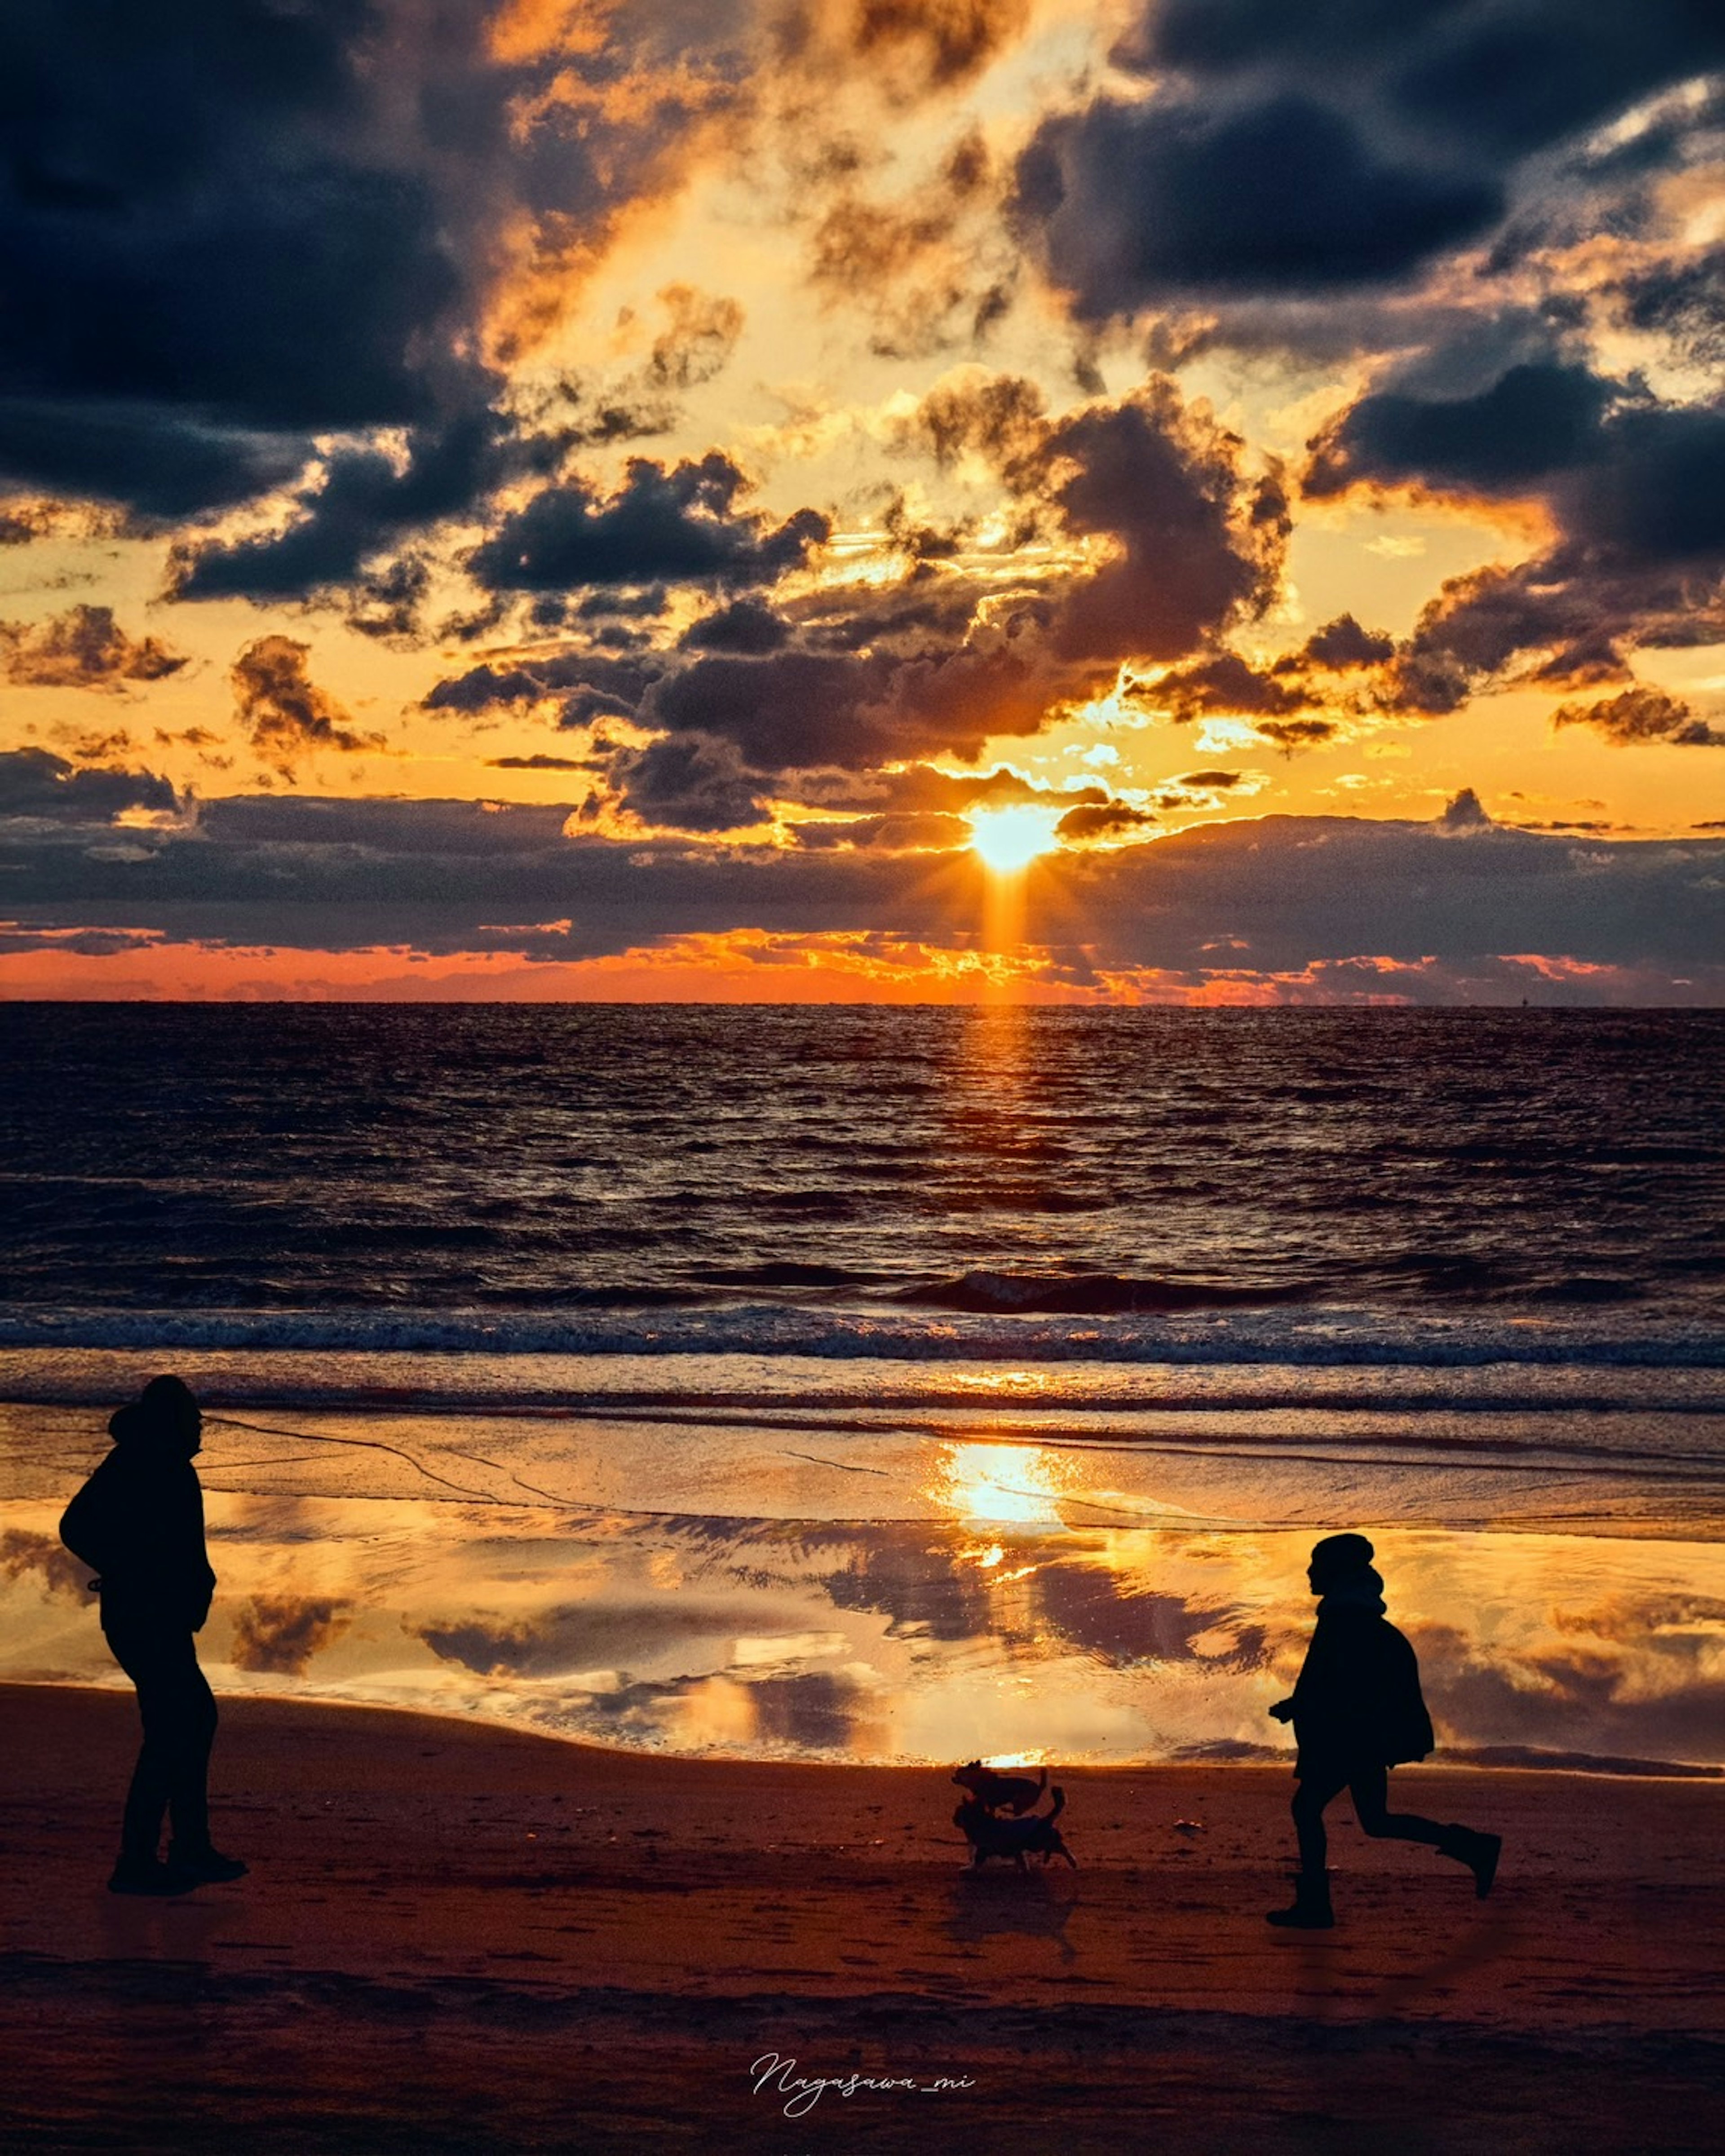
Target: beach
{"x": 457, "y": 1937}
{"x": 644, "y": 1453}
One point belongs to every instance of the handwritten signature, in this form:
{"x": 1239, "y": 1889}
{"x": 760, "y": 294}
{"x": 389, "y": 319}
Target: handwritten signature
{"x": 802, "y": 2092}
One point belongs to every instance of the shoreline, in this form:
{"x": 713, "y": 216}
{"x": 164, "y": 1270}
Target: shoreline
{"x": 460, "y": 1936}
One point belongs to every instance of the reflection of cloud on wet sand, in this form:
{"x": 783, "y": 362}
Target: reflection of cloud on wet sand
{"x": 576, "y": 1637}
{"x": 278, "y": 1634}
{"x": 1645, "y": 1679}
{"x": 23, "y": 1554}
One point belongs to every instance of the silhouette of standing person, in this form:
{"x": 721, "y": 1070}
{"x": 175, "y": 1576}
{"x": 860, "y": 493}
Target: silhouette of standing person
{"x": 138, "y": 1522}
{"x": 1357, "y": 1711}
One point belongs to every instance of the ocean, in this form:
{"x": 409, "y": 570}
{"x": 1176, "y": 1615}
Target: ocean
{"x": 892, "y": 1383}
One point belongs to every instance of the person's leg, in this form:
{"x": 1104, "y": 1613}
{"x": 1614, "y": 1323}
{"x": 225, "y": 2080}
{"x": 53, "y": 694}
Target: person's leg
{"x": 1311, "y": 1909}
{"x": 138, "y": 1654}
{"x": 193, "y": 1733}
{"x": 1311, "y": 1796}
{"x": 1369, "y": 1787}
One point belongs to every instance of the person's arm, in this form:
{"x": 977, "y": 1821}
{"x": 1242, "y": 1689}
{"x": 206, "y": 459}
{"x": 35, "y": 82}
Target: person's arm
{"x": 87, "y": 1525}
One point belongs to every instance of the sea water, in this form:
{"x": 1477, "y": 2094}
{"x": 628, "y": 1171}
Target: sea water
{"x": 892, "y": 1383}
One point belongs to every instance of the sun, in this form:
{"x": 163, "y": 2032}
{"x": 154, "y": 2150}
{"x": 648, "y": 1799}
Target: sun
{"x": 1009, "y": 840}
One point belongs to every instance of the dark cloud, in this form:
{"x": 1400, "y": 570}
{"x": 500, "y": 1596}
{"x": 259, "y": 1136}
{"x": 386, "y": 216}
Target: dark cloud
{"x": 1290, "y": 734}
{"x": 1637, "y": 488}
{"x": 229, "y": 226}
{"x": 1127, "y": 203}
{"x": 587, "y": 685}
{"x": 540, "y": 764}
{"x": 279, "y": 1633}
{"x": 283, "y": 710}
{"x": 361, "y": 502}
{"x": 854, "y": 677}
{"x": 799, "y": 708}
{"x": 35, "y": 783}
{"x": 1223, "y": 682}
{"x": 82, "y": 648}
{"x": 1465, "y": 813}
{"x": 1211, "y": 780}
{"x": 1106, "y": 819}
{"x": 1334, "y": 145}
{"x": 1199, "y": 542}
{"x": 674, "y": 525}
{"x": 745, "y": 626}
{"x": 927, "y": 833}
{"x": 692, "y": 782}
{"x": 1640, "y": 715}
{"x": 1342, "y": 644}
{"x": 1684, "y": 301}
{"x": 1536, "y": 420}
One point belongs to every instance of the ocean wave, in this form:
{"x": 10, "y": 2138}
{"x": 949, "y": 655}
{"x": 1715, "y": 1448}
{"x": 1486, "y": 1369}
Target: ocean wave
{"x": 1097, "y": 1295}
{"x": 1300, "y": 1338}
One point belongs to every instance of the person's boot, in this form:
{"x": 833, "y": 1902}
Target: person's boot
{"x": 148, "y": 1875}
{"x": 1479, "y": 1852}
{"x": 1311, "y": 1910}
{"x": 205, "y": 1863}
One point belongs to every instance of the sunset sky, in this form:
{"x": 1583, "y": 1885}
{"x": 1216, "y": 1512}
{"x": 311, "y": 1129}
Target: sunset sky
{"x": 635, "y": 500}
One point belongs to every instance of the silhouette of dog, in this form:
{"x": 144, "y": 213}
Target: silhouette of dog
{"x": 994, "y": 1793}
{"x": 1015, "y": 1839}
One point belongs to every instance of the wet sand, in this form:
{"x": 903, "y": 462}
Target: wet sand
{"x": 459, "y": 1938}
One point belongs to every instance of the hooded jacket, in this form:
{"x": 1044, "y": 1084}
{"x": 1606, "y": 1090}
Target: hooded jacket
{"x": 138, "y": 1523}
{"x": 1357, "y": 1696}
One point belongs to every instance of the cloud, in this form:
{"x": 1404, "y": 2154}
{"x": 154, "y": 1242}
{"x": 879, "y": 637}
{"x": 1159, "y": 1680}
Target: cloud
{"x": 1341, "y": 644}
{"x": 662, "y": 525}
{"x": 283, "y": 710}
{"x": 33, "y": 782}
{"x": 1408, "y": 128}
{"x": 1277, "y": 896}
{"x": 360, "y": 502}
{"x": 232, "y": 227}
{"x": 744, "y": 626}
{"x": 1634, "y": 487}
{"x": 1221, "y": 683}
{"x": 692, "y": 781}
{"x": 1465, "y": 813}
{"x": 279, "y": 1634}
{"x": 1640, "y": 715}
{"x": 1292, "y": 734}
{"x": 1106, "y": 820}
{"x": 1127, "y": 203}
{"x": 913, "y": 48}
{"x": 23, "y": 1554}
{"x": 699, "y": 339}
{"x": 82, "y": 648}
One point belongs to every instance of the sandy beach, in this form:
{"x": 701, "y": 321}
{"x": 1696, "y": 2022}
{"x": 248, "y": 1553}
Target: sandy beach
{"x": 459, "y": 1937}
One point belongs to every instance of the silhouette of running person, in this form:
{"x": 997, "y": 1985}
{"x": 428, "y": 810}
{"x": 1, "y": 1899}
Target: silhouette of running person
{"x": 1357, "y": 1711}
{"x": 138, "y": 1522}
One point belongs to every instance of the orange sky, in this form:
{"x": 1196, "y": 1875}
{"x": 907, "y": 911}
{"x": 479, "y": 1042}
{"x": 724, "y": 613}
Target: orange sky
{"x": 751, "y": 449}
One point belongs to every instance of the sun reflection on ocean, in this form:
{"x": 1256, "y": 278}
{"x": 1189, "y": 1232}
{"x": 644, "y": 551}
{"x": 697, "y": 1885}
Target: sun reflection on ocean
{"x": 1022, "y": 1484}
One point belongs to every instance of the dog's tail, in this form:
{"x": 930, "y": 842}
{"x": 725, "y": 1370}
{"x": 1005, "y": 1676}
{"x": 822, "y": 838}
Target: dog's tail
{"x": 1059, "y": 1804}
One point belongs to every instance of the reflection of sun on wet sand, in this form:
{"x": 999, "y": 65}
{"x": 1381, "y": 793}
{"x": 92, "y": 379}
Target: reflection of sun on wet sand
{"x": 457, "y": 1937}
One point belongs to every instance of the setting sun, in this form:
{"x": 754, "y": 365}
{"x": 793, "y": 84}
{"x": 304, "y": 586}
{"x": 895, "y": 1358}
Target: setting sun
{"x": 1009, "y": 840}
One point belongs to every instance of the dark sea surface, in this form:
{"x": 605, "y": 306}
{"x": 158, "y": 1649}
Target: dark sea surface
{"x": 886, "y": 1383}
{"x": 565, "y": 1178}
